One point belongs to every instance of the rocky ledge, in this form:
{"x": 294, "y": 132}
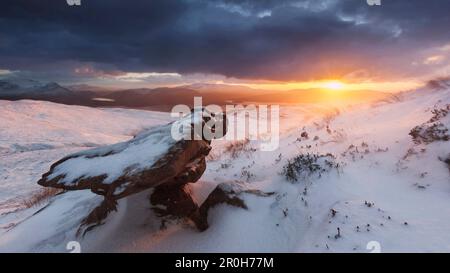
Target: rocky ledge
{"x": 154, "y": 159}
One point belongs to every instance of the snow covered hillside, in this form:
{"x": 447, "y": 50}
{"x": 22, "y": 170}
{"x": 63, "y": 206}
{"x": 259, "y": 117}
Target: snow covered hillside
{"x": 33, "y": 134}
{"x": 342, "y": 177}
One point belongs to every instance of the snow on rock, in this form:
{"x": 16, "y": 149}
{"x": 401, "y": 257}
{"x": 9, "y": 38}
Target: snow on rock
{"x": 80, "y": 170}
{"x": 151, "y": 159}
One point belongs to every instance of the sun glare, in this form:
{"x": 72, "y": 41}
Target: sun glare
{"x": 333, "y": 85}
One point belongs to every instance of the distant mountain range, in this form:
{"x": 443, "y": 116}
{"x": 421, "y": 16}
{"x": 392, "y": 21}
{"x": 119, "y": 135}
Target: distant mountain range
{"x": 18, "y": 88}
{"x": 26, "y": 87}
{"x": 166, "y": 97}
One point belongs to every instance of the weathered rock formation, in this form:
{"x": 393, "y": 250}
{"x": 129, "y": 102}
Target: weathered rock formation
{"x": 152, "y": 159}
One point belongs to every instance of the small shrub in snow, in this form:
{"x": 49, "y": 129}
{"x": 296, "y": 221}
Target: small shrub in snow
{"x": 307, "y": 165}
{"x": 338, "y": 234}
{"x": 304, "y": 135}
{"x": 246, "y": 174}
{"x": 409, "y": 153}
{"x": 333, "y": 212}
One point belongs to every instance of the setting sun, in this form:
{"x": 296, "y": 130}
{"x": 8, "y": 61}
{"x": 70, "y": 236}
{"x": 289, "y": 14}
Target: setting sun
{"x": 334, "y": 85}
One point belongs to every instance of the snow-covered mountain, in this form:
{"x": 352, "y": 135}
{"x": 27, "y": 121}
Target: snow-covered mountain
{"x": 19, "y": 82}
{"x": 19, "y": 87}
{"x": 344, "y": 179}
{"x": 89, "y": 88}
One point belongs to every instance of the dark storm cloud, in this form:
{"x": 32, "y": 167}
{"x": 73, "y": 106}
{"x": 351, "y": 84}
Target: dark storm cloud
{"x": 261, "y": 39}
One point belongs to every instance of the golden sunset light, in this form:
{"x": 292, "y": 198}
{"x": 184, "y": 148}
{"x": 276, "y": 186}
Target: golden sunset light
{"x": 387, "y": 86}
{"x": 225, "y": 126}
{"x": 334, "y": 85}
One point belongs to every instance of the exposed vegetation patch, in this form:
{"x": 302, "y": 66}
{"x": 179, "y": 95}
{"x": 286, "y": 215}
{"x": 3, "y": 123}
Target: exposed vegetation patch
{"x": 39, "y": 197}
{"x": 430, "y": 133}
{"x": 308, "y": 165}
{"x": 358, "y": 151}
{"x": 432, "y": 130}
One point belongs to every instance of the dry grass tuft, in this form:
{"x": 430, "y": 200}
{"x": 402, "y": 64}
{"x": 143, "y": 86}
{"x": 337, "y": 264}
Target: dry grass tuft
{"x": 39, "y": 197}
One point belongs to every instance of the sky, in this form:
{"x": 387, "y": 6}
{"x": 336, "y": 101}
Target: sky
{"x": 272, "y": 44}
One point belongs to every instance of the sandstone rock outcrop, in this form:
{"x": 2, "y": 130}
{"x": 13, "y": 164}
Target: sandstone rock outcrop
{"x": 152, "y": 159}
